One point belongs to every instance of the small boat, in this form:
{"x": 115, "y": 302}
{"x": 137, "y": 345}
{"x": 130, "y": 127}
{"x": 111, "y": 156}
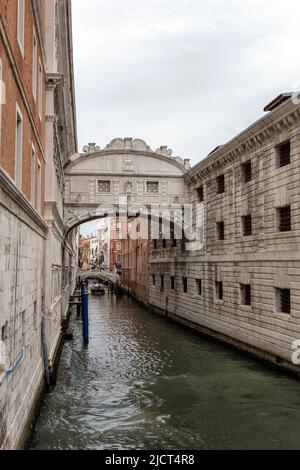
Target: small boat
{"x": 97, "y": 288}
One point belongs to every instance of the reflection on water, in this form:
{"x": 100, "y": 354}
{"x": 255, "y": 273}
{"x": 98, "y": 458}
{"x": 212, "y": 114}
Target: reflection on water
{"x": 144, "y": 383}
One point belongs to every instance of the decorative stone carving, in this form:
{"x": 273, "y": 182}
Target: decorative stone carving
{"x": 128, "y": 163}
{"x": 128, "y": 187}
{"x": 91, "y": 148}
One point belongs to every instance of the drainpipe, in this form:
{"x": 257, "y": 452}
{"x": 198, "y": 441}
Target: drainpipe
{"x": 45, "y": 354}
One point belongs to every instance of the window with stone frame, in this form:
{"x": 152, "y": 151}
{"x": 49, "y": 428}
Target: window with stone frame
{"x": 245, "y": 294}
{"x": 152, "y": 187}
{"x": 283, "y": 300}
{"x": 220, "y": 230}
{"x": 220, "y": 184}
{"x": 219, "y": 290}
{"x": 247, "y": 171}
{"x": 247, "y": 225}
{"x": 284, "y": 219}
{"x": 283, "y": 154}
{"x": 104, "y": 186}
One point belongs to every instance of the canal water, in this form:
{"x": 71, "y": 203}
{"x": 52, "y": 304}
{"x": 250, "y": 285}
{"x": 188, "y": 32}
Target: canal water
{"x": 145, "y": 383}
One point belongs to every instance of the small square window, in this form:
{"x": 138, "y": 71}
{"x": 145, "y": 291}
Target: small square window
{"x": 200, "y": 196}
{"x": 220, "y": 231}
{"x": 104, "y": 187}
{"x": 247, "y": 225}
{"x": 184, "y": 285}
{"x": 284, "y": 154}
{"x": 219, "y": 290}
{"x": 220, "y": 184}
{"x": 247, "y": 171}
{"x": 173, "y": 282}
{"x": 246, "y": 294}
{"x": 284, "y": 219}
{"x": 152, "y": 187}
{"x": 283, "y": 300}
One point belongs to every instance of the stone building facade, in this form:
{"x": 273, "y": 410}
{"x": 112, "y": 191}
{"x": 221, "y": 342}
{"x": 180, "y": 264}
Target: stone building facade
{"x": 243, "y": 285}
{"x": 37, "y": 260}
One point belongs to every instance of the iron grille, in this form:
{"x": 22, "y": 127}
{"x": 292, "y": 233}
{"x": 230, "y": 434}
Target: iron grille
{"x": 199, "y": 286}
{"x": 200, "y": 194}
{"x": 152, "y": 187}
{"x": 220, "y": 184}
{"x": 247, "y": 171}
{"x": 284, "y": 154}
{"x": 246, "y": 294}
{"x": 219, "y": 290}
{"x": 104, "y": 187}
{"x": 285, "y": 300}
{"x": 285, "y": 219}
{"x": 247, "y": 225}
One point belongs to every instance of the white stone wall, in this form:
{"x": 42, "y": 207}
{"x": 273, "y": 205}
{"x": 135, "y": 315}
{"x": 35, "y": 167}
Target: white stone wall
{"x": 21, "y": 292}
{"x": 266, "y": 260}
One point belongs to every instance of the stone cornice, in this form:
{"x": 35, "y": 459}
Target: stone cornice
{"x": 51, "y": 206}
{"x": 251, "y": 140}
{"x": 9, "y": 187}
{"x": 39, "y": 34}
{"x": 102, "y": 153}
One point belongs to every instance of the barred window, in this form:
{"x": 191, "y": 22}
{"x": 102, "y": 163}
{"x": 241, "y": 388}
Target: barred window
{"x": 284, "y": 154}
{"x": 247, "y": 225}
{"x": 104, "y": 187}
{"x": 283, "y": 300}
{"x": 284, "y": 219}
{"x": 200, "y": 194}
{"x": 246, "y": 294}
{"x": 220, "y": 231}
{"x": 219, "y": 290}
{"x": 247, "y": 171}
{"x": 199, "y": 286}
{"x": 220, "y": 184}
{"x": 152, "y": 187}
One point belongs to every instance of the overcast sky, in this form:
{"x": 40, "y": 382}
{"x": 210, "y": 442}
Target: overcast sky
{"x": 189, "y": 74}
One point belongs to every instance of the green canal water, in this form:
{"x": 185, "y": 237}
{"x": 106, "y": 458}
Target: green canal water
{"x": 145, "y": 383}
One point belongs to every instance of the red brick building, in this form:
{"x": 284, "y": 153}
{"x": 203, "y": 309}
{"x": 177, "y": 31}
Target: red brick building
{"x": 22, "y": 70}
{"x": 135, "y": 257}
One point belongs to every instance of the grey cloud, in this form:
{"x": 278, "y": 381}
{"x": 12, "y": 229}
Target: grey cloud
{"x": 189, "y": 74}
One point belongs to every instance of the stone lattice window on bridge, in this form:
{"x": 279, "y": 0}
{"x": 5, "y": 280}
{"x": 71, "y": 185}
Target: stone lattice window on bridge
{"x": 104, "y": 187}
{"x": 152, "y": 187}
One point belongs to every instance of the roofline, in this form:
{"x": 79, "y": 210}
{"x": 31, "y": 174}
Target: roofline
{"x": 253, "y": 129}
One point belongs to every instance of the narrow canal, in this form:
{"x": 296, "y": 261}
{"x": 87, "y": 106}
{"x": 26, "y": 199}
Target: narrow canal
{"x": 144, "y": 383}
